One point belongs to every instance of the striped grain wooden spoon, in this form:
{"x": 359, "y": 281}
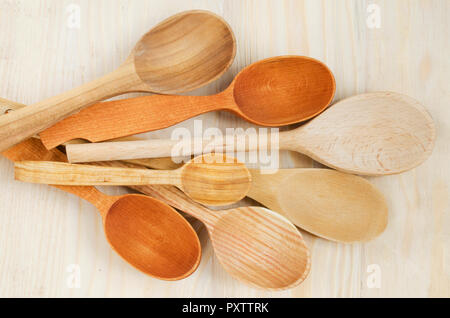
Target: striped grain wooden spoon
{"x": 277, "y": 91}
{"x": 136, "y": 226}
{"x": 211, "y": 179}
{"x": 184, "y": 52}
{"x": 256, "y": 246}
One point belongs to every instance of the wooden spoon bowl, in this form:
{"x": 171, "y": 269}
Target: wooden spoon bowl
{"x": 214, "y": 179}
{"x": 255, "y": 263}
{"x": 330, "y": 204}
{"x": 373, "y": 134}
{"x": 283, "y": 90}
{"x": 201, "y": 46}
{"x": 148, "y": 235}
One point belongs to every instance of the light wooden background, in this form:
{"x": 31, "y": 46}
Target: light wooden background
{"x": 43, "y": 230}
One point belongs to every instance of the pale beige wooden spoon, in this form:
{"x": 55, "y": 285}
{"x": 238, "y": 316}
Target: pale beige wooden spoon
{"x": 327, "y": 203}
{"x": 370, "y": 134}
{"x": 182, "y": 53}
{"x": 210, "y": 179}
{"x": 256, "y": 246}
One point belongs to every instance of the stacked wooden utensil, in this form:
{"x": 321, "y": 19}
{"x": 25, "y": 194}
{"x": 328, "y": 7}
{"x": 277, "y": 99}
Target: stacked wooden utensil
{"x": 370, "y": 134}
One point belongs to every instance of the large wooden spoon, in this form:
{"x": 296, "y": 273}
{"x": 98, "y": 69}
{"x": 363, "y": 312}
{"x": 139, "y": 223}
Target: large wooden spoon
{"x": 327, "y": 203}
{"x": 273, "y": 92}
{"x": 210, "y": 179}
{"x": 148, "y": 234}
{"x": 255, "y": 245}
{"x": 370, "y": 134}
{"x": 182, "y": 53}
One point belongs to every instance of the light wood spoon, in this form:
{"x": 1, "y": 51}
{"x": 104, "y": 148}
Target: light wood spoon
{"x": 254, "y": 245}
{"x": 274, "y": 92}
{"x": 148, "y": 234}
{"x": 369, "y": 134}
{"x": 210, "y": 179}
{"x": 330, "y": 204}
{"x": 182, "y": 53}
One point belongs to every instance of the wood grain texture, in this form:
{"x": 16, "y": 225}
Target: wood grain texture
{"x": 211, "y": 179}
{"x": 170, "y": 58}
{"x": 273, "y": 92}
{"x": 369, "y": 134}
{"x": 327, "y": 203}
{"x": 40, "y": 56}
{"x": 133, "y": 232}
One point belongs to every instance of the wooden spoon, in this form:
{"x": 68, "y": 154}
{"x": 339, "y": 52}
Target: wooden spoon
{"x": 210, "y": 179}
{"x": 330, "y": 204}
{"x": 182, "y": 53}
{"x": 254, "y": 245}
{"x": 370, "y": 134}
{"x": 273, "y": 92}
{"x": 148, "y": 234}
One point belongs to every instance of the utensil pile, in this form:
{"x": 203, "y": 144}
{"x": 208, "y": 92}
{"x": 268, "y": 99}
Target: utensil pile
{"x": 370, "y": 134}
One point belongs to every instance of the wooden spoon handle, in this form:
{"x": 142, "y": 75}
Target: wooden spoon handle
{"x": 154, "y": 163}
{"x": 60, "y": 173}
{"x": 127, "y": 117}
{"x": 32, "y": 149}
{"x": 156, "y": 148}
{"x": 26, "y": 122}
{"x": 179, "y": 200}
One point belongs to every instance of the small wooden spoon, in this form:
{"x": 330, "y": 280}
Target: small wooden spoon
{"x": 182, "y": 53}
{"x": 274, "y": 92}
{"x": 148, "y": 234}
{"x": 370, "y": 134}
{"x": 254, "y": 245}
{"x": 210, "y": 179}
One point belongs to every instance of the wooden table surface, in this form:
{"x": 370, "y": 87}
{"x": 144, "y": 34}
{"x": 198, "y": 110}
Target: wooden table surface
{"x": 52, "y": 243}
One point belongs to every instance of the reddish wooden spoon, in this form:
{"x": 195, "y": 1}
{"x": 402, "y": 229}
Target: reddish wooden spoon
{"x": 274, "y": 92}
{"x": 145, "y": 232}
